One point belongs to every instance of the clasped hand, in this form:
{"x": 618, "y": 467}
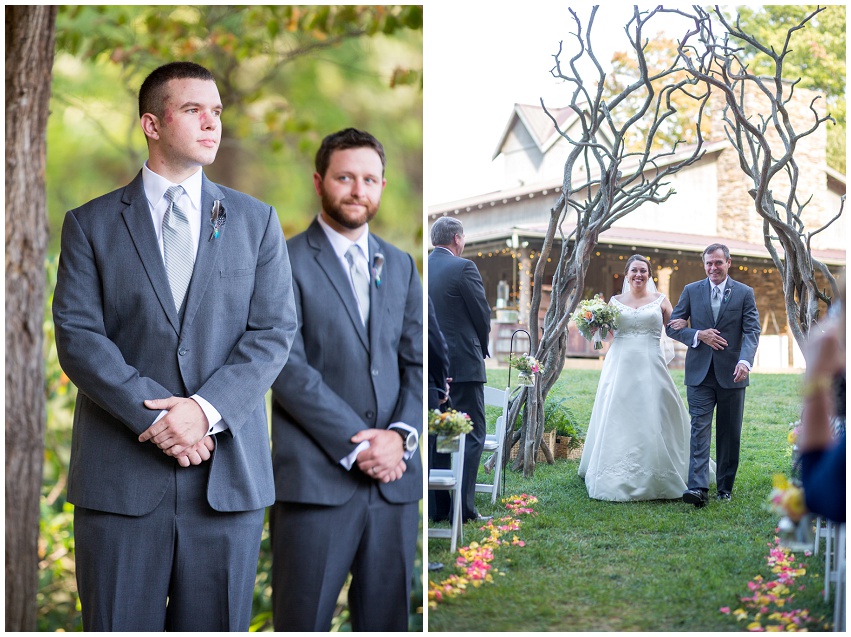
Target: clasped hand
{"x": 713, "y": 338}
{"x": 383, "y": 460}
{"x": 181, "y": 433}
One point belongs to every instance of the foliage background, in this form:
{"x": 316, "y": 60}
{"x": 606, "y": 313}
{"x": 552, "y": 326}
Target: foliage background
{"x": 288, "y": 76}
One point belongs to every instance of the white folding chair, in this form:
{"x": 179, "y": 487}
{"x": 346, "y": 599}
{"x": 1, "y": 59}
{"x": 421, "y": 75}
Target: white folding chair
{"x": 495, "y": 442}
{"x": 450, "y": 480}
{"x": 838, "y": 575}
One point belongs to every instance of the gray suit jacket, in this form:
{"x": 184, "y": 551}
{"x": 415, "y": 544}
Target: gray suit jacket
{"x": 340, "y": 379}
{"x": 121, "y": 341}
{"x": 738, "y": 323}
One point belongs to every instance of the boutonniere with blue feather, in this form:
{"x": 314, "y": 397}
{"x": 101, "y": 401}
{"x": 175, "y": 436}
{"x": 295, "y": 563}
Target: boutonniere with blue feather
{"x": 727, "y": 292}
{"x": 217, "y": 219}
{"x": 377, "y": 266}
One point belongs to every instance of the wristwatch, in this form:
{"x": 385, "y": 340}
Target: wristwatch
{"x": 409, "y": 439}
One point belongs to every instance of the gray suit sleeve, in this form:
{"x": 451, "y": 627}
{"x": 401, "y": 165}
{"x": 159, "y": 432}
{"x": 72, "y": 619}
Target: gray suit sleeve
{"x": 264, "y": 348}
{"x": 87, "y": 355}
{"x": 682, "y": 311}
{"x": 409, "y": 408}
{"x": 750, "y": 328}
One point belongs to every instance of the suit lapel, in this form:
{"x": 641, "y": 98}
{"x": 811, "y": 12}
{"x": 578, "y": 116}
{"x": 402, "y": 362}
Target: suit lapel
{"x": 137, "y": 216}
{"x": 208, "y": 249}
{"x": 377, "y": 294}
{"x": 704, "y": 301}
{"x": 729, "y": 290}
{"x": 328, "y": 262}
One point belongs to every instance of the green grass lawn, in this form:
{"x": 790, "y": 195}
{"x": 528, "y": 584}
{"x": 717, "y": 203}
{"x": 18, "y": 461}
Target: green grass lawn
{"x": 637, "y": 566}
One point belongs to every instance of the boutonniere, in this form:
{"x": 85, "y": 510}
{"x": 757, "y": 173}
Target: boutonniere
{"x": 217, "y": 219}
{"x": 727, "y": 294}
{"x": 377, "y": 265}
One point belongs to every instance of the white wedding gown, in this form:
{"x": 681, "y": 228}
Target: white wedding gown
{"x": 637, "y": 445}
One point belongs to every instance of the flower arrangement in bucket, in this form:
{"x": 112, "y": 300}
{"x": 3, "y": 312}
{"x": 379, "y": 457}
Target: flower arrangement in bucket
{"x": 595, "y": 319}
{"x": 448, "y": 426}
{"x": 528, "y": 366}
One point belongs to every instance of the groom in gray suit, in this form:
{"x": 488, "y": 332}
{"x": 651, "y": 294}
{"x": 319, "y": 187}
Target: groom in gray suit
{"x": 722, "y": 342}
{"x": 174, "y": 313}
{"x": 347, "y": 410}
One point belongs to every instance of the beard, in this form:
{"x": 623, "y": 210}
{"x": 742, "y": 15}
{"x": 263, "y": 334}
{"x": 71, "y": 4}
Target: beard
{"x": 334, "y": 210}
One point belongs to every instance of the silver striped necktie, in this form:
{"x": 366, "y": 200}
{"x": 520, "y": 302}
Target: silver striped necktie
{"x": 360, "y": 281}
{"x": 177, "y": 247}
{"x": 715, "y": 302}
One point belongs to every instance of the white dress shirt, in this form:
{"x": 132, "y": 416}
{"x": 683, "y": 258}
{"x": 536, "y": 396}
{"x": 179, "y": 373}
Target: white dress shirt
{"x": 190, "y": 203}
{"x": 341, "y": 244}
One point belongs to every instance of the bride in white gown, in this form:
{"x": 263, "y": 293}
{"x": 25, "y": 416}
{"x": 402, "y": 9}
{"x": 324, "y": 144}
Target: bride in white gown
{"x": 637, "y": 445}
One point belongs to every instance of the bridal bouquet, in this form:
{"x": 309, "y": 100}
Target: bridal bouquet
{"x": 449, "y": 423}
{"x": 597, "y": 313}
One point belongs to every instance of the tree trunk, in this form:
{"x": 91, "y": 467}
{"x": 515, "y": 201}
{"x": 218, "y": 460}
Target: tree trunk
{"x": 29, "y": 62}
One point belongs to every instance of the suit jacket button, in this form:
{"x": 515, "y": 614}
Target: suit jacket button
{"x": 182, "y": 351}
{"x": 370, "y": 414}
{"x": 375, "y": 372}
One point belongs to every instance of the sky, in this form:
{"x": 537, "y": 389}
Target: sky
{"x": 484, "y": 59}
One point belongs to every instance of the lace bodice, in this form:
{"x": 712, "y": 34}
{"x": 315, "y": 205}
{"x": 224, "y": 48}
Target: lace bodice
{"x": 643, "y": 321}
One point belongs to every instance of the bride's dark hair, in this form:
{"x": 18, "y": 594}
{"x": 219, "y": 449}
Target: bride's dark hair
{"x": 638, "y": 257}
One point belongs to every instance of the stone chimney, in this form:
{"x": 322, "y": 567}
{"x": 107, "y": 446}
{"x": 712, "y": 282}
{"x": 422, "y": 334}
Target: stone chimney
{"x": 737, "y": 216}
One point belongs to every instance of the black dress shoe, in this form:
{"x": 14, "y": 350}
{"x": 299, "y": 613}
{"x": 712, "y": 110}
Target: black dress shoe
{"x": 723, "y": 496}
{"x": 697, "y": 497}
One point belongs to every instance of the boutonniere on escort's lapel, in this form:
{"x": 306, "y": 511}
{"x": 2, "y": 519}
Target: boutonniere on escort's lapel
{"x": 377, "y": 265}
{"x": 217, "y": 219}
{"x": 727, "y": 292}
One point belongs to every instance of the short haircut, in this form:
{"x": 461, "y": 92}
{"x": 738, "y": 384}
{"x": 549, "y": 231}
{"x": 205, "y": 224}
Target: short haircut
{"x": 152, "y": 93}
{"x": 443, "y": 231}
{"x": 714, "y": 247}
{"x": 343, "y": 140}
{"x": 638, "y": 257}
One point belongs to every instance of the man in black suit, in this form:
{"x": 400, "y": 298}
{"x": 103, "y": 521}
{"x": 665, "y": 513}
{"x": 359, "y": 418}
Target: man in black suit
{"x": 438, "y": 362}
{"x": 348, "y": 409}
{"x": 463, "y": 313}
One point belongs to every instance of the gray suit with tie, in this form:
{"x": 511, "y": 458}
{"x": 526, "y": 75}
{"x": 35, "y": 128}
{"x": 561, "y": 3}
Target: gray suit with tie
{"x": 709, "y": 375}
{"x": 121, "y": 341}
{"x": 340, "y": 379}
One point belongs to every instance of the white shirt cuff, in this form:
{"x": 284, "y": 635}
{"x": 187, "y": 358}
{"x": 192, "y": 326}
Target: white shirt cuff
{"x": 746, "y": 364}
{"x": 694, "y": 342}
{"x": 214, "y": 418}
{"x": 349, "y": 461}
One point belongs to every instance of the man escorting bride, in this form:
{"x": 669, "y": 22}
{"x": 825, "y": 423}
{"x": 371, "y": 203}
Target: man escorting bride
{"x": 722, "y": 342}
{"x": 641, "y": 442}
{"x": 637, "y": 443}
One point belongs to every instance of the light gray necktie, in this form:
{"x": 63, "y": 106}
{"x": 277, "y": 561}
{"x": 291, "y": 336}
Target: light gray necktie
{"x": 360, "y": 280}
{"x": 177, "y": 247}
{"x": 715, "y": 302}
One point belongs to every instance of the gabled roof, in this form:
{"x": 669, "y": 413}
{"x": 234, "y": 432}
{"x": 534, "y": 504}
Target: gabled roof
{"x": 554, "y": 184}
{"x": 539, "y": 125}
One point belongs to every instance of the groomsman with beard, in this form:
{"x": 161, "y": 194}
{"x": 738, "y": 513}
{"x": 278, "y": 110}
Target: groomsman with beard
{"x": 722, "y": 342}
{"x": 347, "y": 410}
{"x": 463, "y": 313}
